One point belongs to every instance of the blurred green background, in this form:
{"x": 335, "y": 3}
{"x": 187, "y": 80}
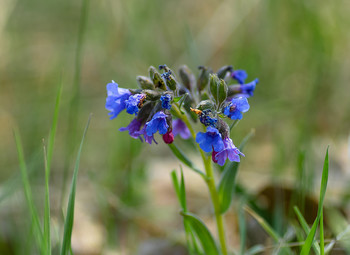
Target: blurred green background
{"x": 299, "y": 50}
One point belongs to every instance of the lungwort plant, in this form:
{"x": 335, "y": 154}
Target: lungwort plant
{"x": 204, "y": 109}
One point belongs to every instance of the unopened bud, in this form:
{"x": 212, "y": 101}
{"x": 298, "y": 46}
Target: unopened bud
{"x": 224, "y": 71}
{"x": 168, "y": 137}
{"x": 206, "y": 104}
{"x": 214, "y": 84}
{"x": 158, "y": 81}
{"x": 222, "y": 91}
{"x": 152, "y": 70}
{"x": 203, "y": 78}
{"x": 187, "y": 77}
{"x": 144, "y": 82}
{"x": 152, "y": 95}
{"x": 171, "y": 82}
{"x": 233, "y": 90}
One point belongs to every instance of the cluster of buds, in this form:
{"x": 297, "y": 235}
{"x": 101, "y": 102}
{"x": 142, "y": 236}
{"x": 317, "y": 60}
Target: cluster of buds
{"x": 162, "y": 98}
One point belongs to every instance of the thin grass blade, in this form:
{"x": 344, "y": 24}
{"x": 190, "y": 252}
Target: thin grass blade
{"x": 47, "y": 230}
{"x": 73, "y": 108}
{"x": 306, "y": 228}
{"x": 52, "y": 134}
{"x": 264, "y": 224}
{"x": 28, "y": 193}
{"x": 310, "y": 238}
{"x": 321, "y": 234}
{"x": 68, "y": 224}
{"x": 242, "y": 227}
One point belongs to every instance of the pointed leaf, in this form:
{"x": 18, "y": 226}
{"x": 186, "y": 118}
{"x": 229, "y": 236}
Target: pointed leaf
{"x": 202, "y": 233}
{"x": 182, "y": 157}
{"x": 310, "y": 238}
{"x": 68, "y": 224}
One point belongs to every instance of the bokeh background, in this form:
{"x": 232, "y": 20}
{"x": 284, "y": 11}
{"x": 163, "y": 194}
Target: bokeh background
{"x": 299, "y": 50}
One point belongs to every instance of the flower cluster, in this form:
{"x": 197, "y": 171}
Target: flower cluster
{"x": 163, "y": 102}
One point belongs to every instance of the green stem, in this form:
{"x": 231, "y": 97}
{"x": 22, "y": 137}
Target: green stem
{"x": 210, "y": 180}
{"x": 215, "y": 200}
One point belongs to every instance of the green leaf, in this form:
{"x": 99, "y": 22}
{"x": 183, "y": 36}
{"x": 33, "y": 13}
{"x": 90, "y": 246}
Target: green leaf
{"x": 28, "y": 194}
{"x": 177, "y": 99}
{"x": 182, "y": 157}
{"x": 179, "y": 189}
{"x": 227, "y": 182}
{"x": 202, "y": 233}
{"x": 183, "y": 191}
{"x": 310, "y": 238}
{"x": 181, "y": 195}
{"x": 68, "y": 224}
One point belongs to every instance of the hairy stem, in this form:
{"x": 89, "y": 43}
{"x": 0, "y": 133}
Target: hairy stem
{"x": 210, "y": 180}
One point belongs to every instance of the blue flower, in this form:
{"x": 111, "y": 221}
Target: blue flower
{"x": 166, "y": 99}
{"x": 157, "y": 123}
{"x": 239, "y": 75}
{"x": 133, "y": 103}
{"x": 248, "y": 89}
{"x": 180, "y": 128}
{"x": 148, "y": 138}
{"x": 133, "y": 128}
{"x": 236, "y": 107}
{"x": 228, "y": 152}
{"x": 116, "y": 97}
{"x": 209, "y": 140}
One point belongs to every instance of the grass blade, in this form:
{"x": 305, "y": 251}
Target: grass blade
{"x": 28, "y": 193}
{"x": 309, "y": 240}
{"x": 264, "y": 224}
{"x": 306, "y": 228}
{"x": 73, "y": 108}
{"x": 52, "y": 134}
{"x": 203, "y": 234}
{"x": 184, "y": 159}
{"x": 227, "y": 182}
{"x": 321, "y": 234}
{"x": 68, "y": 224}
{"x": 242, "y": 227}
{"x": 47, "y": 230}
{"x": 47, "y": 158}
